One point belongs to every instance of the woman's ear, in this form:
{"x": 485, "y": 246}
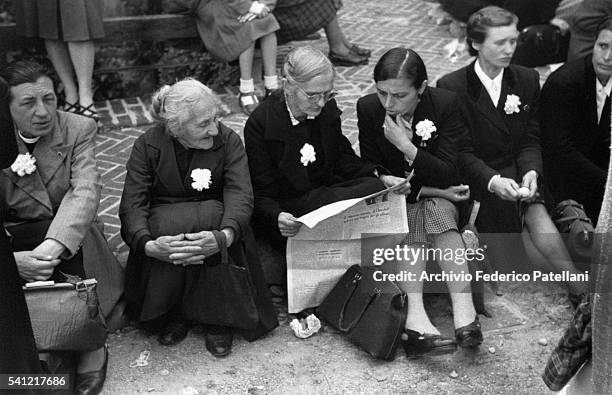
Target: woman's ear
{"x": 422, "y": 88}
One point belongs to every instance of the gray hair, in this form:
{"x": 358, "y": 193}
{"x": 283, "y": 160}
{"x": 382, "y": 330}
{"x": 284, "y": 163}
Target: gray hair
{"x": 173, "y": 104}
{"x": 304, "y": 63}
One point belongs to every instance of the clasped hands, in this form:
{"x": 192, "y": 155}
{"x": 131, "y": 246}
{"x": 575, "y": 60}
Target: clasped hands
{"x": 508, "y": 189}
{"x": 257, "y": 10}
{"x": 185, "y": 248}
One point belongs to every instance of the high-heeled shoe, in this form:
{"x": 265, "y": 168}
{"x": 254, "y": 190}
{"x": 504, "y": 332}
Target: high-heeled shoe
{"x": 417, "y": 344}
{"x": 469, "y": 336}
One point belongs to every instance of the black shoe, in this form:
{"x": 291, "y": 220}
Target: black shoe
{"x": 360, "y": 51}
{"x": 91, "y": 383}
{"x": 469, "y": 336}
{"x": 218, "y": 340}
{"x": 419, "y": 344}
{"x": 173, "y": 332}
{"x": 350, "y": 59}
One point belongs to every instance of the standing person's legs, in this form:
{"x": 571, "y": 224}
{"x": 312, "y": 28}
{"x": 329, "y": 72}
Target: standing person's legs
{"x": 60, "y": 58}
{"x": 248, "y": 100}
{"x": 268, "y": 54}
{"x": 82, "y": 54}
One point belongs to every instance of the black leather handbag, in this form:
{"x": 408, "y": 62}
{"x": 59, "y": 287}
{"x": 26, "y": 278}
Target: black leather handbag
{"x": 577, "y": 229}
{"x": 540, "y": 45}
{"x": 371, "y": 313}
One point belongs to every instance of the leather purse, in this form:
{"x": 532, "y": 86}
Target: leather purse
{"x": 540, "y": 45}
{"x": 228, "y": 290}
{"x": 577, "y": 228}
{"x": 65, "y": 316}
{"x": 371, "y": 313}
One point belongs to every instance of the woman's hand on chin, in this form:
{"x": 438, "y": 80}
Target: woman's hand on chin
{"x": 33, "y": 266}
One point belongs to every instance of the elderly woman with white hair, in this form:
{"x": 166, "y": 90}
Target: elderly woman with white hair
{"x": 185, "y": 214}
{"x": 298, "y": 157}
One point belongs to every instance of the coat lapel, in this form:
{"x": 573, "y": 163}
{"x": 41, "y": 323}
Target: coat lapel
{"x": 481, "y": 97}
{"x": 590, "y": 109}
{"x": 207, "y": 159}
{"x": 278, "y": 127}
{"x": 50, "y": 153}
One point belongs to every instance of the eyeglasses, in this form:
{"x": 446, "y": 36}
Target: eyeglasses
{"x": 316, "y": 97}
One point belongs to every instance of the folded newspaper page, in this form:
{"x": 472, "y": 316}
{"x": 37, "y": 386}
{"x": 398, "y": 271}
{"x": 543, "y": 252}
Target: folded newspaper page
{"x": 330, "y": 242}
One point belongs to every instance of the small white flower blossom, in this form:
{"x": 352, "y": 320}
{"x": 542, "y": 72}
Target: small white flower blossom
{"x": 24, "y": 164}
{"x": 425, "y": 130}
{"x": 308, "y": 154}
{"x": 201, "y": 179}
{"x": 512, "y": 105}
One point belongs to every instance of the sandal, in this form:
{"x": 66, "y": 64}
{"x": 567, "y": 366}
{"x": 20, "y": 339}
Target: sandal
{"x": 89, "y": 112}
{"x": 74, "y": 108}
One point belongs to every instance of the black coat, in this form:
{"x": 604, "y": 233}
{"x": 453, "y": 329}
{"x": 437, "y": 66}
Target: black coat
{"x": 576, "y": 145}
{"x": 277, "y": 174}
{"x": 435, "y": 164}
{"x": 153, "y": 180}
{"x": 506, "y": 144}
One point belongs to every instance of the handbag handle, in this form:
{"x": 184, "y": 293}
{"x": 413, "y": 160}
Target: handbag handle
{"x": 346, "y": 328}
{"x": 222, "y": 243}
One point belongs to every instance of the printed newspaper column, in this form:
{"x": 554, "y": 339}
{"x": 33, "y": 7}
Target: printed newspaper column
{"x": 330, "y": 242}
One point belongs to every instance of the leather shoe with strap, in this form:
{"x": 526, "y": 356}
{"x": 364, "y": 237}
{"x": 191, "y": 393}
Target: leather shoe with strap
{"x": 218, "y": 340}
{"x": 350, "y": 59}
{"x": 469, "y": 336}
{"x": 417, "y": 344}
{"x": 174, "y": 332}
{"x": 91, "y": 383}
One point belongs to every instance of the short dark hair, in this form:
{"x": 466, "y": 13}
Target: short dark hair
{"x": 606, "y": 24}
{"x": 24, "y": 71}
{"x": 401, "y": 63}
{"x": 483, "y": 19}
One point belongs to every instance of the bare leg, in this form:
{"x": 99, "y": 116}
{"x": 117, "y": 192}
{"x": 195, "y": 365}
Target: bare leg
{"x": 460, "y": 291}
{"x": 336, "y": 38}
{"x": 417, "y": 318}
{"x": 246, "y": 62}
{"x": 268, "y": 53}
{"x": 548, "y": 242}
{"x": 82, "y": 54}
{"x": 60, "y": 57}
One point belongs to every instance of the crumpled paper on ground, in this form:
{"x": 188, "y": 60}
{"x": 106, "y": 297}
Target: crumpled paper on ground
{"x": 305, "y": 328}
{"x": 142, "y": 360}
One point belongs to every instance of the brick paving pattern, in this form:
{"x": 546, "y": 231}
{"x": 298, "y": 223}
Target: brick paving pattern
{"x": 378, "y": 26}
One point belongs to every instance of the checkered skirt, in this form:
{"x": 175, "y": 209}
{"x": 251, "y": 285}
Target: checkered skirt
{"x": 430, "y": 216}
{"x": 298, "y": 19}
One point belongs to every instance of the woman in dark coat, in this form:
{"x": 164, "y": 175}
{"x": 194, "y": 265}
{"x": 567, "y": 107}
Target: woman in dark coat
{"x": 298, "y": 157}
{"x": 408, "y": 127}
{"x": 187, "y": 193}
{"x": 17, "y": 348}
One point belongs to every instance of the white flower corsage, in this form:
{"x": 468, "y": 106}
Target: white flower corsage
{"x": 425, "y": 129}
{"x": 24, "y": 164}
{"x": 308, "y": 154}
{"x": 513, "y": 103}
{"x": 201, "y": 179}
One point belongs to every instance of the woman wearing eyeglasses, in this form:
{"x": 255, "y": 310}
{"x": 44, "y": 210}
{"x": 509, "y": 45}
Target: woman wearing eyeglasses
{"x": 408, "y": 127}
{"x": 299, "y": 159}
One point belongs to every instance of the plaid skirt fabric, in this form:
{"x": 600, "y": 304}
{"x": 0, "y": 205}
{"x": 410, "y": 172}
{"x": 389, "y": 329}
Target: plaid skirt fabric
{"x": 299, "y": 19}
{"x": 573, "y": 350}
{"x": 430, "y": 216}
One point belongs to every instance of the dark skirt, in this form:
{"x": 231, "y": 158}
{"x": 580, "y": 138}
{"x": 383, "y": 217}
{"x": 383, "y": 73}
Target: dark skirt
{"x": 297, "y": 19}
{"x": 155, "y": 288}
{"x": 223, "y": 35}
{"x": 64, "y": 20}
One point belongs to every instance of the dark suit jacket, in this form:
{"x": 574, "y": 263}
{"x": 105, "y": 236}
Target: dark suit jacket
{"x": 274, "y": 156}
{"x": 576, "y": 149}
{"x": 436, "y": 164}
{"x": 506, "y": 144}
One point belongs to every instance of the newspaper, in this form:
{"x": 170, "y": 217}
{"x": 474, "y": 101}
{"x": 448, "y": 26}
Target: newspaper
{"x": 330, "y": 241}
